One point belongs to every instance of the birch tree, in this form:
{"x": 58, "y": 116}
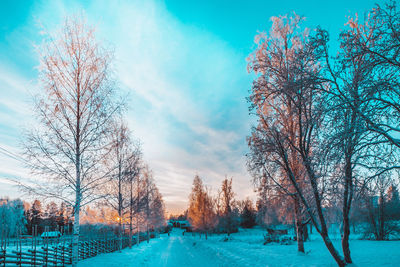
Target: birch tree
{"x": 148, "y": 188}
{"x": 133, "y": 171}
{"x": 74, "y": 107}
{"x": 119, "y": 161}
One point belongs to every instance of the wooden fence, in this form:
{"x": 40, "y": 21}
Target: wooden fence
{"x": 61, "y": 255}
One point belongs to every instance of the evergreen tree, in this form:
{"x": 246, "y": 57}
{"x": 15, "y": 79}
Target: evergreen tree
{"x": 51, "y": 215}
{"x": 248, "y": 216}
{"x": 36, "y": 216}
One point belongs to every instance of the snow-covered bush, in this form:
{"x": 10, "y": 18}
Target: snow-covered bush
{"x": 281, "y": 239}
{"x": 12, "y": 217}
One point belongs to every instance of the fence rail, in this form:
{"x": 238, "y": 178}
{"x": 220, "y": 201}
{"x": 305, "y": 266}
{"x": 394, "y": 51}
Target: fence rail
{"x": 61, "y": 255}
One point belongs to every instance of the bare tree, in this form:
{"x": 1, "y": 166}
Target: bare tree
{"x": 74, "y": 109}
{"x": 362, "y": 99}
{"x": 346, "y": 136}
{"x": 201, "y": 211}
{"x": 157, "y": 215}
{"x": 377, "y": 39}
{"x": 148, "y": 188}
{"x": 377, "y": 207}
{"x": 121, "y": 161}
{"x": 276, "y": 57}
{"x": 139, "y": 204}
{"x": 133, "y": 175}
{"x": 227, "y": 218}
{"x": 286, "y": 96}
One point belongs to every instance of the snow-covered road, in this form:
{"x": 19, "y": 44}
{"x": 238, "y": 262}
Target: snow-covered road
{"x": 173, "y": 250}
{"x": 176, "y": 250}
{"x": 243, "y": 249}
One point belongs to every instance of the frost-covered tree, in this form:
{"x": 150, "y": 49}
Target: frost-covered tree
{"x": 201, "y": 212}
{"x": 283, "y": 65}
{"x": 157, "y": 218}
{"x": 133, "y": 171}
{"x": 119, "y": 160}
{"x": 380, "y": 208}
{"x": 362, "y": 99}
{"x": 74, "y": 110}
{"x": 376, "y": 38}
{"x": 12, "y": 219}
{"x": 228, "y": 218}
{"x": 152, "y": 202}
{"x": 286, "y": 96}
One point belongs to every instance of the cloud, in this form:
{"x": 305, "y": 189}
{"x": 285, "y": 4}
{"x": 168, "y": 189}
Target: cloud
{"x": 188, "y": 99}
{"x": 186, "y": 90}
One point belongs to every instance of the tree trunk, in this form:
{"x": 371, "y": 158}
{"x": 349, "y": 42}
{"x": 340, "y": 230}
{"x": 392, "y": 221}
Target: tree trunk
{"x": 137, "y": 212}
{"x": 335, "y": 254}
{"x": 305, "y": 232}
{"x": 323, "y": 230}
{"x": 345, "y": 239}
{"x": 138, "y": 230}
{"x": 381, "y": 217}
{"x": 130, "y": 216}
{"x": 75, "y": 238}
{"x": 148, "y": 235}
{"x": 119, "y": 213}
{"x": 347, "y": 199}
{"x": 147, "y": 209}
{"x": 371, "y": 216}
{"x": 299, "y": 225}
{"x": 77, "y": 208}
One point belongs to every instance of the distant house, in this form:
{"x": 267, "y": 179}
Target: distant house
{"x": 51, "y": 234}
{"x": 183, "y": 224}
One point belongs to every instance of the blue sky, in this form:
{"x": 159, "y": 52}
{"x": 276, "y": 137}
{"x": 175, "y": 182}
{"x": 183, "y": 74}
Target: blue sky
{"x": 183, "y": 65}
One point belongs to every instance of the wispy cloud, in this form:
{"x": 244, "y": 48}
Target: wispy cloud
{"x": 187, "y": 91}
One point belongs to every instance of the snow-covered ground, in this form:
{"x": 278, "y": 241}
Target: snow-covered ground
{"x": 243, "y": 249}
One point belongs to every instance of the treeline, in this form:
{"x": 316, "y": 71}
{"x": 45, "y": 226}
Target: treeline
{"x": 218, "y": 214}
{"x": 326, "y": 139}
{"x": 50, "y": 217}
{"x": 373, "y": 216}
{"x": 18, "y": 217}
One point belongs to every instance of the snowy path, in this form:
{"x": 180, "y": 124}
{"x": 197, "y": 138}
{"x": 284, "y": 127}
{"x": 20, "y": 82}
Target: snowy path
{"x": 244, "y": 249}
{"x": 177, "y": 250}
{"x": 166, "y": 251}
